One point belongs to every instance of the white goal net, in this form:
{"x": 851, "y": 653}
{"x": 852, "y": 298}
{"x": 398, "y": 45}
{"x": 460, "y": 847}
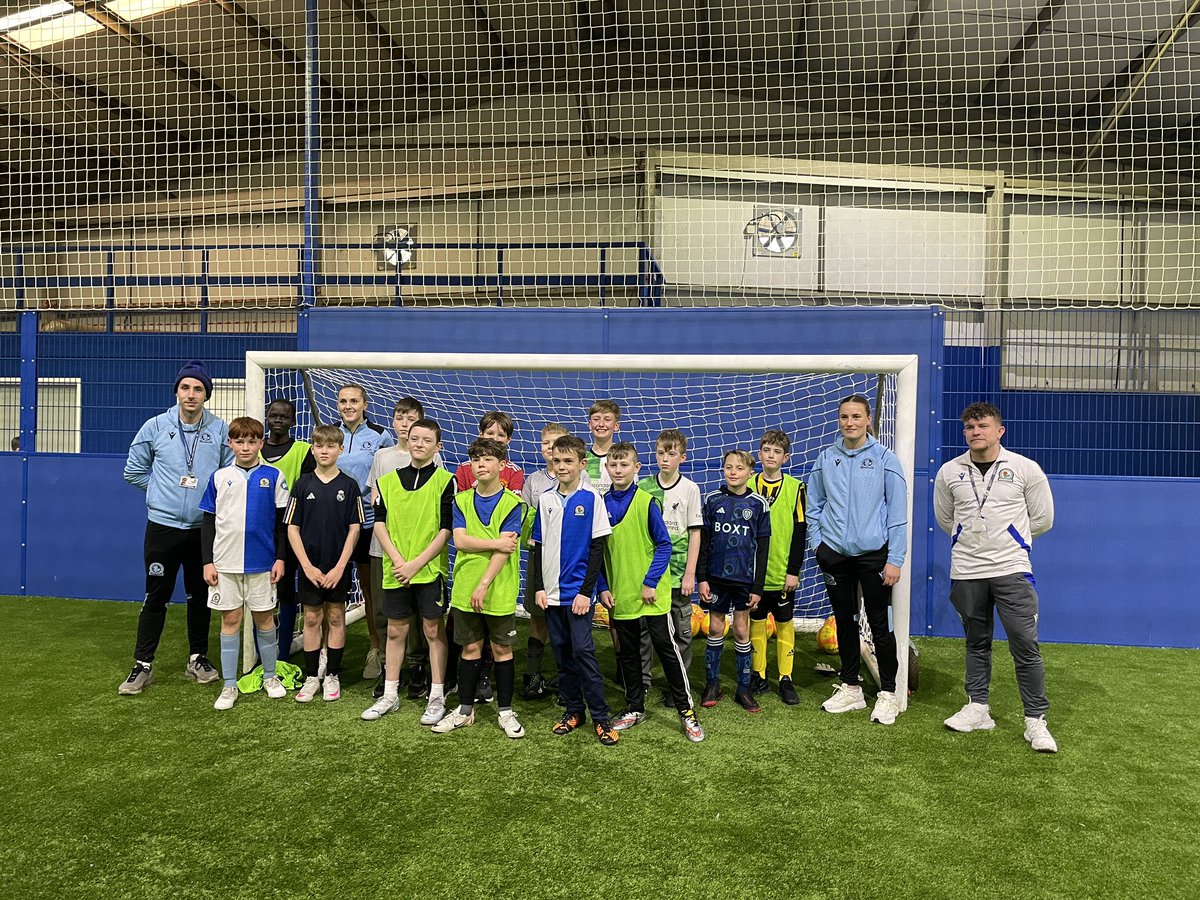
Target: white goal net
{"x": 719, "y": 403}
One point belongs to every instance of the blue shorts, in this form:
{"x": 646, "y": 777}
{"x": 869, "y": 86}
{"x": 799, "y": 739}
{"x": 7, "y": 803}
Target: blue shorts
{"x": 727, "y": 595}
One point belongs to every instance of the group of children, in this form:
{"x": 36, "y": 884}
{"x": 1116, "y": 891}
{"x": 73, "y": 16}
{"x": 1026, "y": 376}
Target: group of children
{"x": 595, "y": 532}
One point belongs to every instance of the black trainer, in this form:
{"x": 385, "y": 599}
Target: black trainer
{"x": 377, "y": 693}
{"x": 534, "y": 687}
{"x": 746, "y": 701}
{"x": 483, "y": 690}
{"x": 758, "y": 684}
{"x": 787, "y": 692}
{"x": 418, "y": 683}
{"x": 712, "y": 693}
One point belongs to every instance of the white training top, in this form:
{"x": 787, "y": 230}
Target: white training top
{"x": 992, "y": 519}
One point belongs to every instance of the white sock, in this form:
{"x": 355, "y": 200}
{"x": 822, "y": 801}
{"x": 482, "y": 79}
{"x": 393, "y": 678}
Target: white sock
{"x": 435, "y": 692}
{"x": 391, "y": 689}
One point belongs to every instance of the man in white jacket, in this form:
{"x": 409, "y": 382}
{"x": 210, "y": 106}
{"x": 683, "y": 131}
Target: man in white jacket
{"x": 993, "y": 503}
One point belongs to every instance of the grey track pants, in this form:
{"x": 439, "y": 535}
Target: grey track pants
{"x": 1015, "y": 598}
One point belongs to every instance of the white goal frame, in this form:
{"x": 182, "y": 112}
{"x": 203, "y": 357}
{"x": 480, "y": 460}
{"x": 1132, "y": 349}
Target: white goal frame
{"x": 904, "y": 366}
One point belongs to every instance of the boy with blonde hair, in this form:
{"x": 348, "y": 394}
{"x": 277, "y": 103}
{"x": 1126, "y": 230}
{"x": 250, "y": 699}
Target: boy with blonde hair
{"x": 534, "y": 686}
{"x": 242, "y": 548}
{"x": 679, "y": 498}
{"x": 787, "y": 496}
{"x": 569, "y": 532}
{"x": 604, "y": 421}
{"x": 635, "y": 586}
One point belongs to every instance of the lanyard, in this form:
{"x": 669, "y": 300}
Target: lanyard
{"x": 988, "y": 490}
{"x": 189, "y": 453}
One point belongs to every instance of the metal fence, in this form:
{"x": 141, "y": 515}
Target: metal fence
{"x": 1107, "y": 392}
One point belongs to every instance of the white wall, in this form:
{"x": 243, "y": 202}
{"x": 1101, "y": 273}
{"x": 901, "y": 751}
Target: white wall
{"x": 702, "y": 242}
{"x": 894, "y": 251}
{"x": 1065, "y": 258}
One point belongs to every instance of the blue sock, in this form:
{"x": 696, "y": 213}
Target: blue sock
{"x": 268, "y": 650}
{"x": 230, "y": 645}
{"x": 712, "y": 657}
{"x": 743, "y": 665}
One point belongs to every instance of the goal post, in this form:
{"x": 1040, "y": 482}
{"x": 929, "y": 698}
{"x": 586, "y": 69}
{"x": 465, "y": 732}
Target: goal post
{"x": 720, "y": 402}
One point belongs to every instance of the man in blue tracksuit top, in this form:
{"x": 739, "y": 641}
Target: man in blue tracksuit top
{"x": 858, "y": 528}
{"x": 171, "y": 459}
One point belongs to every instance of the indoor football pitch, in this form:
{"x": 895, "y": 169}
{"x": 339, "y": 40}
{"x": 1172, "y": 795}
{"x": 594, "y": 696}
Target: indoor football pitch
{"x": 160, "y": 796}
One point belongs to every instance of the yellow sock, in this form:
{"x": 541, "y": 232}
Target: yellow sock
{"x": 785, "y": 648}
{"x": 758, "y": 646}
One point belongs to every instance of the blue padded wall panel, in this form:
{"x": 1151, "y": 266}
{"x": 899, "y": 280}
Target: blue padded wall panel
{"x": 475, "y": 330}
{"x": 12, "y": 469}
{"x": 1116, "y": 568}
{"x": 1111, "y": 570}
{"x": 101, "y": 556}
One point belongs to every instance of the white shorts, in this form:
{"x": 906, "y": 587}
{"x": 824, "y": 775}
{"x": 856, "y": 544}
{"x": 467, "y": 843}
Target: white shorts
{"x": 235, "y": 591}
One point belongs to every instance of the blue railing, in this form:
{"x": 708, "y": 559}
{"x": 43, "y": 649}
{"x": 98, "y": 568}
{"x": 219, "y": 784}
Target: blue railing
{"x": 648, "y": 280}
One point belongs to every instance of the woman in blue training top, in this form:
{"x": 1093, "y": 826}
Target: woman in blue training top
{"x": 857, "y": 526}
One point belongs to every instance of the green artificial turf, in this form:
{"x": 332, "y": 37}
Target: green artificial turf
{"x": 160, "y": 796}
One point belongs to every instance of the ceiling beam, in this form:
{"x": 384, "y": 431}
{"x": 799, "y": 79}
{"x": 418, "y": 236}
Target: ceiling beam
{"x": 482, "y": 20}
{"x": 989, "y": 94}
{"x": 114, "y": 24}
{"x": 1126, "y": 86}
{"x": 267, "y": 40}
{"x": 48, "y": 137}
{"x": 381, "y": 34}
{"x": 59, "y": 82}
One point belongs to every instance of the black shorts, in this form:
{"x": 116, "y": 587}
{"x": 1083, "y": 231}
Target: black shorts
{"x": 310, "y": 595}
{"x": 780, "y": 604}
{"x": 471, "y": 627}
{"x": 727, "y": 595}
{"x": 426, "y": 600}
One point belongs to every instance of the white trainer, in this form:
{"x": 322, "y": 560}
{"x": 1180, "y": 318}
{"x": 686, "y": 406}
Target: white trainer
{"x": 227, "y": 698}
{"x": 1039, "y": 736}
{"x": 846, "y": 698}
{"x": 453, "y": 721}
{"x": 513, "y": 728}
{"x": 308, "y": 690}
{"x": 274, "y": 688}
{"x": 380, "y": 708}
{"x": 332, "y": 689}
{"x": 434, "y": 711}
{"x": 972, "y": 717}
{"x": 886, "y": 708}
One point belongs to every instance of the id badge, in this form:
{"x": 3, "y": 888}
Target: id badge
{"x": 977, "y": 526}
{"x": 189, "y": 481}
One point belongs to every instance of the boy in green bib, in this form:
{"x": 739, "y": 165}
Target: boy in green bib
{"x": 487, "y": 579}
{"x": 413, "y": 517}
{"x": 636, "y": 588}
